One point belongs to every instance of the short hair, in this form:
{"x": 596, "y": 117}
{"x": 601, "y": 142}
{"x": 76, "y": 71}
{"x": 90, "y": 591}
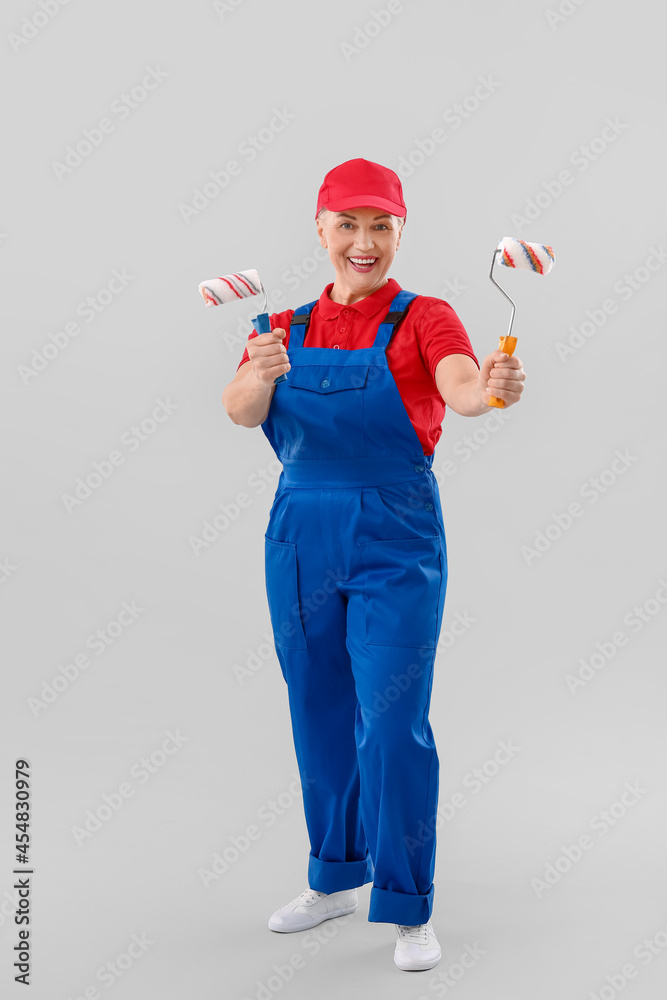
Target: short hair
{"x": 399, "y": 220}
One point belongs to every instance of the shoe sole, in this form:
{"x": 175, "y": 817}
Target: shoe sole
{"x": 313, "y": 923}
{"x": 418, "y": 968}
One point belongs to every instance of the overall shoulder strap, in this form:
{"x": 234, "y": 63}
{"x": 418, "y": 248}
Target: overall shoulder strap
{"x": 397, "y": 312}
{"x": 299, "y": 324}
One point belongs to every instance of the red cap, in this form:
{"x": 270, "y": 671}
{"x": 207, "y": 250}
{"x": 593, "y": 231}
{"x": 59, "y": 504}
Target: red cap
{"x": 360, "y": 182}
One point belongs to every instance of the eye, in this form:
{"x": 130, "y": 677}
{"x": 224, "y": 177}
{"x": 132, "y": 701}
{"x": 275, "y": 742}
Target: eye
{"x": 380, "y": 225}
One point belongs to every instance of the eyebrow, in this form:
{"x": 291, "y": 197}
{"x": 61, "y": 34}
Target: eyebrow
{"x": 385, "y": 216}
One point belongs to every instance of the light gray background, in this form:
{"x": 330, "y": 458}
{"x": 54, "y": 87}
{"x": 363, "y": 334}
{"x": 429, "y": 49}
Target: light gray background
{"x": 174, "y": 668}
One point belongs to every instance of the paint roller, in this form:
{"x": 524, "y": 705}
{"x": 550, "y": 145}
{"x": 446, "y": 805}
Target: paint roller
{"x": 524, "y": 257}
{"x": 241, "y": 285}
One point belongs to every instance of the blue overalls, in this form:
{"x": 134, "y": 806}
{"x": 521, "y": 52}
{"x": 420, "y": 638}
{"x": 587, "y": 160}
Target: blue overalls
{"x": 356, "y": 573}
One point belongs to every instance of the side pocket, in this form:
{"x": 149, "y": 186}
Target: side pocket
{"x": 403, "y": 586}
{"x": 282, "y": 591}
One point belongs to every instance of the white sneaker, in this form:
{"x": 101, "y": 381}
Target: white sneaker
{"x": 416, "y": 947}
{"x": 311, "y": 908}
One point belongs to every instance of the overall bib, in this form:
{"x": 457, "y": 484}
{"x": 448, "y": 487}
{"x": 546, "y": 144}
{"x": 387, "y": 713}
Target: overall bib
{"x": 356, "y": 573}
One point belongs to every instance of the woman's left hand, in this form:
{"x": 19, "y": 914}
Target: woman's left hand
{"x": 501, "y": 375}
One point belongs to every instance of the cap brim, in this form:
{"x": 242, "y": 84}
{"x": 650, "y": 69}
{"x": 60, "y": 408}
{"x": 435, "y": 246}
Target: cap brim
{"x": 367, "y": 201}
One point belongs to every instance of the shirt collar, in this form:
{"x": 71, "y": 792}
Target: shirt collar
{"x": 368, "y": 306}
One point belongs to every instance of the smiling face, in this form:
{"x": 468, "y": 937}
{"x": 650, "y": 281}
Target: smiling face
{"x": 362, "y": 243}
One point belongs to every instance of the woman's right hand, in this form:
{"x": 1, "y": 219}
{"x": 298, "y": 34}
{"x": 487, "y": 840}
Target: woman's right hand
{"x": 268, "y": 355}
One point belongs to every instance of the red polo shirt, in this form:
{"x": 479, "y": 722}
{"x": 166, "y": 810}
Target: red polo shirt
{"x": 430, "y": 331}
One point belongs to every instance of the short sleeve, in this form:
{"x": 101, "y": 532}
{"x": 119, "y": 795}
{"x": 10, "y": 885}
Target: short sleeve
{"x": 440, "y": 332}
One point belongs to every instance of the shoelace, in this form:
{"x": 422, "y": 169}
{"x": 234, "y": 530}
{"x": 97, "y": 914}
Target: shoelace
{"x": 308, "y": 896}
{"x": 416, "y": 934}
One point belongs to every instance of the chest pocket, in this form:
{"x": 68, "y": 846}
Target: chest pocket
{"x": 328, "y": 378}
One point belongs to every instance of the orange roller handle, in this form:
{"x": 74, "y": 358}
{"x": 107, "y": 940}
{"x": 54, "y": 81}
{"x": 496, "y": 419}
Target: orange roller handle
{"x": 506, "y": 344}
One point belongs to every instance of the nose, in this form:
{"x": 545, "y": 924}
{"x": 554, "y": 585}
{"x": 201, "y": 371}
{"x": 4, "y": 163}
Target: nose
{"x": 364, "y": 242}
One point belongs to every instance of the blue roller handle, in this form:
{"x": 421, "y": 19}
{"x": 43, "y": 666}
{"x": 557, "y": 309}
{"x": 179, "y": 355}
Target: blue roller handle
{"x": 262, "y": 324}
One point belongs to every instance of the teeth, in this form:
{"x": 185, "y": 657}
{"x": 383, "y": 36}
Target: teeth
{"x": 363, "y": 260}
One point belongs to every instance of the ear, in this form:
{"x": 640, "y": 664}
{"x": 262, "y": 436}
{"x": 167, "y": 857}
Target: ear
{"x": 320, "y": 232}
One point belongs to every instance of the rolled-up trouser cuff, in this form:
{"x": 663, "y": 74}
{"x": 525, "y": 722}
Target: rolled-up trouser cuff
{"x": 332, "y": 876}
{"x": 387, "y": 906}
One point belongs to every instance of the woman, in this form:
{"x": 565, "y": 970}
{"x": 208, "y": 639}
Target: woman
{"x": 356, "y": 560}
